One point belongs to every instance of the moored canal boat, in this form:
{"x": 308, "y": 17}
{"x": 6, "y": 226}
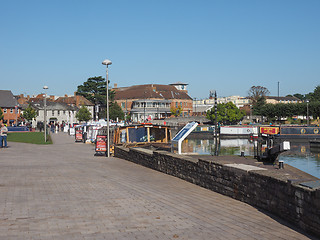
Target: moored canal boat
{"x": 298, "y": 132}
{"x": 143, "y": 135}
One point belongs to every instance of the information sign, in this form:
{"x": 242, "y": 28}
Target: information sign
{"x": 78, "y": 135}
{"x": 101, "y": 143}
{"x": 181, "y": 135}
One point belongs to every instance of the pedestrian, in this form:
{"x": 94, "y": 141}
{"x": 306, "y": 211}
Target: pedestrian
{"x": 52, "y": 127}
{"x": 3, "y": 135}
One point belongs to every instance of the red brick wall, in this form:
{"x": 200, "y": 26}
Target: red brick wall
{"x": 10, "y": 116}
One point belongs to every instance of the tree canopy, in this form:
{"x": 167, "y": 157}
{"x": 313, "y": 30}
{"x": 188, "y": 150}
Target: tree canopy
{"x": 83, "y": 115}
{"x": 257, "y": 92}
{"x": 176, "y": 111}
{"x": 115, "y": 111}
{"x": 271, "y": 111}
{"x": 94, "y": 89}
{"x": 227, "y": 113}
{"x": 315, "y": 96}
{"x": 29, "y": 113}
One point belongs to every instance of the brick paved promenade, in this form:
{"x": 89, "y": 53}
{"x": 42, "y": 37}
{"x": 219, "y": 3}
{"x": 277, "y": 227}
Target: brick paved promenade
{"x": 63, "y": 192}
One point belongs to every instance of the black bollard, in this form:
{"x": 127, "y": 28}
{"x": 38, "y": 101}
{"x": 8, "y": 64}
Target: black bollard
{"x": 281, "y": 165}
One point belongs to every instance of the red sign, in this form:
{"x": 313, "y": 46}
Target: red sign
{"x": 78, "y": 135}
{"x": 269, "y": 130}
{"x": 101, "y": 143}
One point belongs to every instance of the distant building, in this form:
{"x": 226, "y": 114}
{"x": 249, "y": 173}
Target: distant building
{"x": 56, "y": 112}
{"x": 10, "y": 107}
{"x": 59, "y": 109}
{"x": 78, "y": 101}
{"x": 236, "y": 100}
{"x": 151, "y": 101}
{"x": 180, "y": 86}
{"x": 201, "y": 106}
{"x": 275, "y": 100}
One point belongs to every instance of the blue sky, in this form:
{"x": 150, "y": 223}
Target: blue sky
{"x": 225, "y": 45}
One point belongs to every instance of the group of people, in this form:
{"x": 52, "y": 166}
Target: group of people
{"x": 3, "y": 135}
{"x": 56, "y": 127}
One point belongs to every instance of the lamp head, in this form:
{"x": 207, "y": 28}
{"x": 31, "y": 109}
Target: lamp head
{"x": 45, "y": 87}
{"x": 107, "y": 62}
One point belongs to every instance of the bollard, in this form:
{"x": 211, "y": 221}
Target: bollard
{"x": 281, "y": 165}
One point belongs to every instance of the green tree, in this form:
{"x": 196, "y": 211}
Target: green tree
{"x": 227, "y": 113}
{"x": 29, "y": 113}
{"x": 1, "y": 114}
{"x": 176, "y": 111}
{"x": 115, "y": 111}
{"x": 298, "y": 95}
{"x": 315, "y": 96}
{"x": 258, "y": 105}
{"x": 83, "y": 115}
{"x": 269, "y": 111}
{"x": 94, "y": 89}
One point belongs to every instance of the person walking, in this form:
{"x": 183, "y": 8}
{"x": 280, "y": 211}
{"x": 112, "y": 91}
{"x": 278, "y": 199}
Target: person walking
{"x": 3, "y": 135}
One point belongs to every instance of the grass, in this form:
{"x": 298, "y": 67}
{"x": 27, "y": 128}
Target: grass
{"x": 28, "y": 137}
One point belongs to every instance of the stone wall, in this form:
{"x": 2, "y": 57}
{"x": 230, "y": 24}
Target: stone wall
{"x": 282, "y": 197}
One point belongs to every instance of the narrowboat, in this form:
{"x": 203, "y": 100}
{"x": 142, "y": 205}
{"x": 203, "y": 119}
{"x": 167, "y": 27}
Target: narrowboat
{"x": 143, "y": 135}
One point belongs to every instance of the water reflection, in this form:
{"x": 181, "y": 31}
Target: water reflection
{"x": 300, "y": 155}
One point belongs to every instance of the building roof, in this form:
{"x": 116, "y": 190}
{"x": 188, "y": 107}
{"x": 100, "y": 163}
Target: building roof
{"x": 178, "y": 83}
{"x": 77, "y": 100}
{"x": 39, "y": 105}
{"x": 7, "y": 100}
{"x": 150, "y": 91}
{"x": 202, "y": 108}
{"x": 284, "y": 98}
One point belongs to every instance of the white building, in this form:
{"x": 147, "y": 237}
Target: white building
{"x": 236, "y": 100}
{"x": 56, "y": 112}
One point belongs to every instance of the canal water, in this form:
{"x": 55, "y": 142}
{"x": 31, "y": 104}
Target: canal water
{"x": 300, "y": 156}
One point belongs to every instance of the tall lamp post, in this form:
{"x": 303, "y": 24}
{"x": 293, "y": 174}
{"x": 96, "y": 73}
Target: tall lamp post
{"x": 107, "y": 63}
{"x": 45, "y": 114}
{"x": 307, "y": 112}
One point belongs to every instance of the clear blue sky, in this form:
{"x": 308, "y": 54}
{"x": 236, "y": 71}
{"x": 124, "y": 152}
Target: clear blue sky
{"x": 226, "y": 45}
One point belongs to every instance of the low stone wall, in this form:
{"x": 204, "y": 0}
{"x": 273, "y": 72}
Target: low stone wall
{"x": 282, "y": 197}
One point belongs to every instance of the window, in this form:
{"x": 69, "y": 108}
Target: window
{"x": 176, "y": 104}
{"x": 123, "y": 105}
{"x": 52, "y": 112}
{"x": 4, "y": 110}
{"x": 58, "y": 112}
{"x": 11, "y": 110}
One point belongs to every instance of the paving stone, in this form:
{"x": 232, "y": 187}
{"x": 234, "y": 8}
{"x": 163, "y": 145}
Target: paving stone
{"x": 62, "y": 191}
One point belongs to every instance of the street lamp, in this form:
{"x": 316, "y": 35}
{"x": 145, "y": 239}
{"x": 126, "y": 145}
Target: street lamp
{"x": 107, "y": 63}
{"x": 45, "y": 114}
{"x": 307, "y": 112}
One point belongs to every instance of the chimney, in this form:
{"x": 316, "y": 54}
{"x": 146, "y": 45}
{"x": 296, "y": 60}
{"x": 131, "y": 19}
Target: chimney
{"x": 115, "y": 85}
